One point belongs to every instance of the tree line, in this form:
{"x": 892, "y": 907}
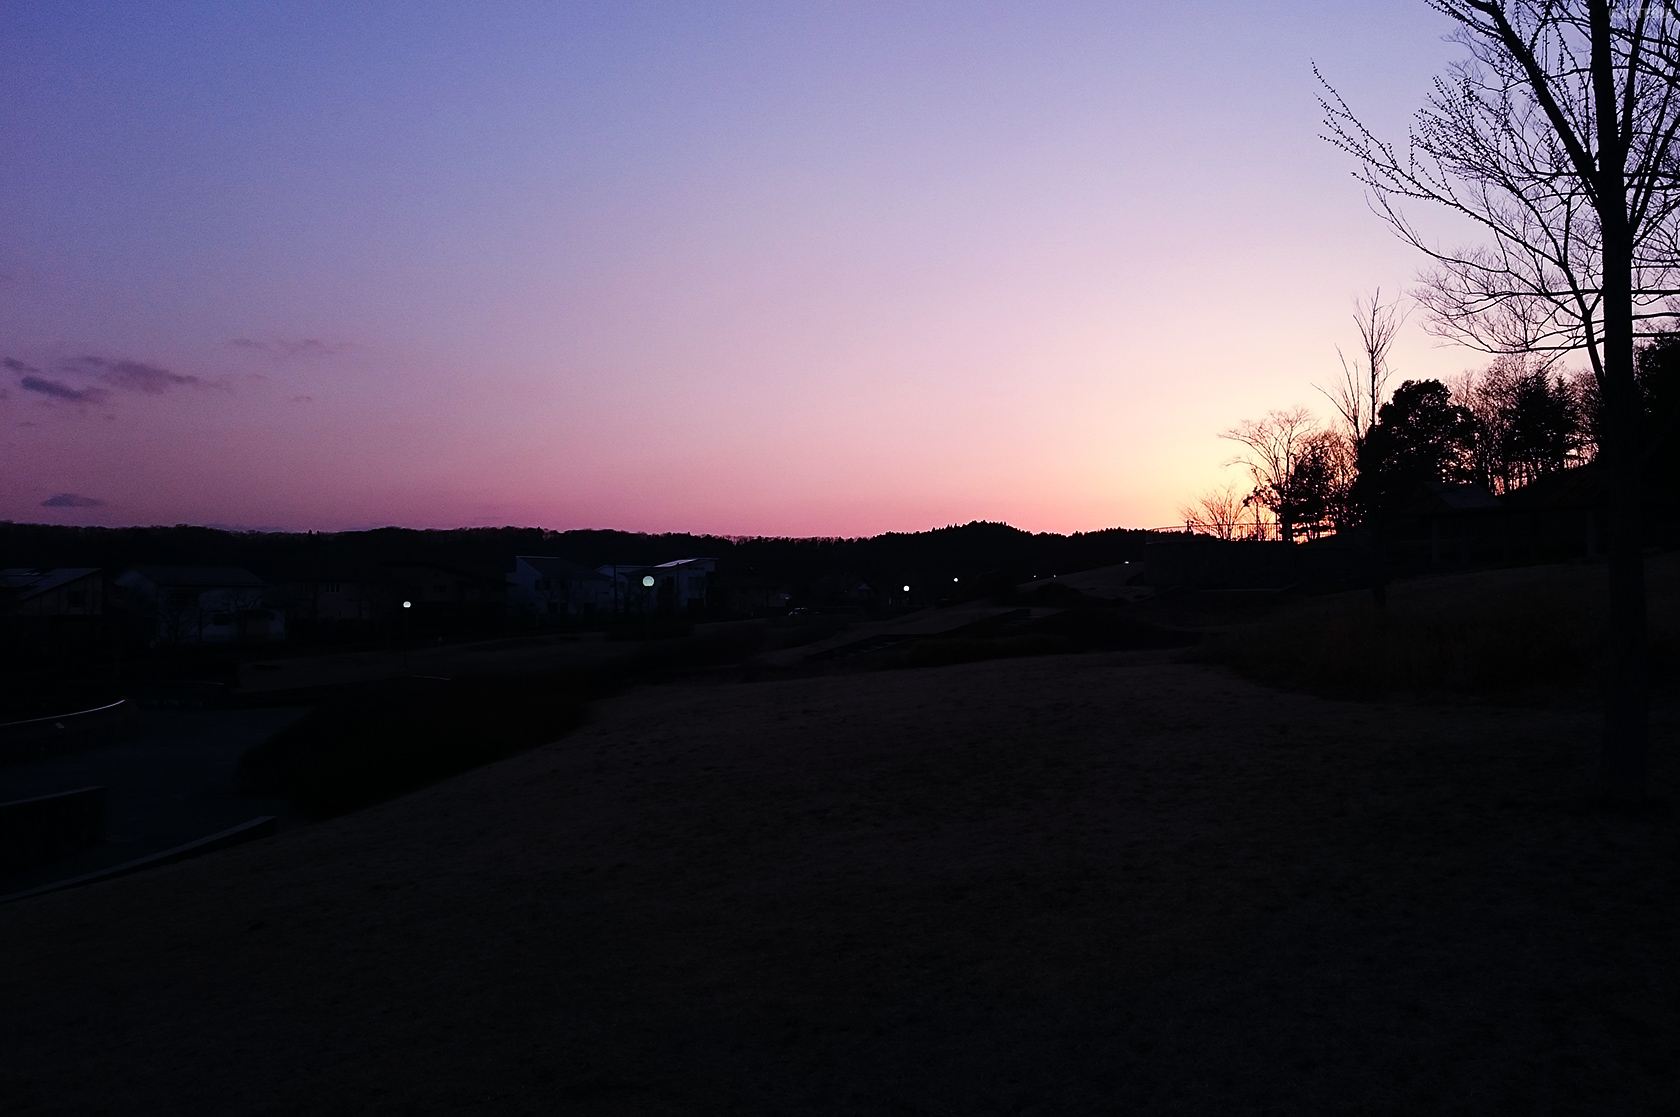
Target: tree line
{"x": 1501, "y": 427}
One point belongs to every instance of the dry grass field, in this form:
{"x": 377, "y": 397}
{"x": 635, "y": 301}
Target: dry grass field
{"x": 1107, "y": 883}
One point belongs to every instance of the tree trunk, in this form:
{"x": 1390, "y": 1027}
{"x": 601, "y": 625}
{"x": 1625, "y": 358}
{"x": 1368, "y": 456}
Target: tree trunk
{"x": 1622, "y": 755}
{"x": 1622, "y": 761}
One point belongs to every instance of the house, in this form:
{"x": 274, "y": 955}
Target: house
{"x": 203, "y": 604}
{"x": 69, "y": 591}
{"x": 444, "y": 591}
{"x": 337, "y": 596}
{"x": 545, "y": 587}
{"x": 56, "y": 616}
{"x": 680, "y": 586}
{"x": 1554, "y": 517}
{"x": 1561, "y": 515}
{"x": 749, "y": 594}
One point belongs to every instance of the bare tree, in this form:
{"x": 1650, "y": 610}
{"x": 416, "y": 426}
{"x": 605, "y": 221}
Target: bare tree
{"x": 1323, "y": 481}
{"x": 1558, "y": 138}
{"x": 1215, "y": 513}
{"x": 1525, "y": 421}
{"x": 1273, "y": 448}
{"x": 1360, "y": 393}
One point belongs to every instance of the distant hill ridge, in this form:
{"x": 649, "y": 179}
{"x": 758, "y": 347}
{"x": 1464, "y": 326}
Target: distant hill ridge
{"x": 956, "y": 549}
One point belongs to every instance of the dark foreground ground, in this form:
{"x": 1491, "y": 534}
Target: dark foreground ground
{"x": 1096, "y": 884}
{"x": 170, "y": 781}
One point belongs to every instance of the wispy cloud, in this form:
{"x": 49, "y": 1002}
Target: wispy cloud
{"x": 134, "y": 376}
{"x": 294, "y": 347}
{"x": 71, "y": 500}
{"x": 59, "y": 390}
{"x": 113, "y": 374}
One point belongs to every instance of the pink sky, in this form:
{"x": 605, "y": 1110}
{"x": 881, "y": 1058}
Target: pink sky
{"x": 737, "y": 268}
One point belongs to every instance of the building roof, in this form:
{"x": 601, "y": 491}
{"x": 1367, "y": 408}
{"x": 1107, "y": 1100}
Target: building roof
{"x": 452, "y": 569}
{"x": 1462, "y": 498}
{"x": 1579, "y": 487}
{"x": 21, "y": 583}
{"x": 551, "y": 567}
{"x": 197, "y": 576}
{"x": 1439, "y": 497}
{"x": 365, "y": 573}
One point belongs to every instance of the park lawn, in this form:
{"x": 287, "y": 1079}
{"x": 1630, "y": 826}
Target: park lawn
{"x": 1114, "y": 882}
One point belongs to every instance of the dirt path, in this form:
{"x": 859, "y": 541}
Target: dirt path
{"x": 1065, "y": 885}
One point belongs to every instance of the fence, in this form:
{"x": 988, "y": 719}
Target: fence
{"x": 33, "y": 737}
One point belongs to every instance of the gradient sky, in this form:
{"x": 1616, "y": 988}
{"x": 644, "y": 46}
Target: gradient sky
{"x": 747, "y": 268}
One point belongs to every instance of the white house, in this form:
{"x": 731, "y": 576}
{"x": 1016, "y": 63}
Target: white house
{"x": 203, "y": 604}
{"x": 542, "y": 586}
{"x": 681, "y": 586}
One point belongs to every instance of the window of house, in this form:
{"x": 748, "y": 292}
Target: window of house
{"x": 330, "y": 587}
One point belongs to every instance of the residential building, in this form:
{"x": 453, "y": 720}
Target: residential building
{"x": 679, "y": 586}
{"x": 551, "y": 588}
{"x": 447, "y": 592}
{"x": 337, "y": 596}
{"x": 69, "y": 591}
{"x": 203, "y": 604}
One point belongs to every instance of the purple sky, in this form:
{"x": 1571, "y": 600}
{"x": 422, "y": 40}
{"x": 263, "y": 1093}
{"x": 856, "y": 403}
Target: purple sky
{"x": 733, "y": 267}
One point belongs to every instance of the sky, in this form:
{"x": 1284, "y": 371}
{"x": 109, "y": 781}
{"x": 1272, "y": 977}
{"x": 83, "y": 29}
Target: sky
{"x": 741, "y": 268}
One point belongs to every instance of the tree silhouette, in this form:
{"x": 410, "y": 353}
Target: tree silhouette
{"x": 1422, "y": 435}
{"x": 1272, "y": 448}
{"x": 1301, "y": 472}
{"x": 1216, "y": 513}
{"x": 1525, "y": 422}
{"x": 1557, "y": 137}
{"x": 1360, "y": 392}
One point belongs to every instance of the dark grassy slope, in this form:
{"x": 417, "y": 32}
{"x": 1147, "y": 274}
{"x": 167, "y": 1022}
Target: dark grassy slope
{"x": 1053, "y": 885}
{"x": 1531, "y": 634}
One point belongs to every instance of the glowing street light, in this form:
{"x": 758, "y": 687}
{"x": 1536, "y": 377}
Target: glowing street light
{"x": 647, "y": 580}
{"x": 408, "y": 605}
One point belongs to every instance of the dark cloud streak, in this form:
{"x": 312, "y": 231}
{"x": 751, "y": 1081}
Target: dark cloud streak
{"x": 119, "y": 374}
{"x": 57, "y": 389}
{"x": 71, "y": 500}
{"x": 133, "y": 376}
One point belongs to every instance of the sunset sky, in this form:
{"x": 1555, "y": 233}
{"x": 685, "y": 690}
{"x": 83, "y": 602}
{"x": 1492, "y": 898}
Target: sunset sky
{"x": 745, "y": 268}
